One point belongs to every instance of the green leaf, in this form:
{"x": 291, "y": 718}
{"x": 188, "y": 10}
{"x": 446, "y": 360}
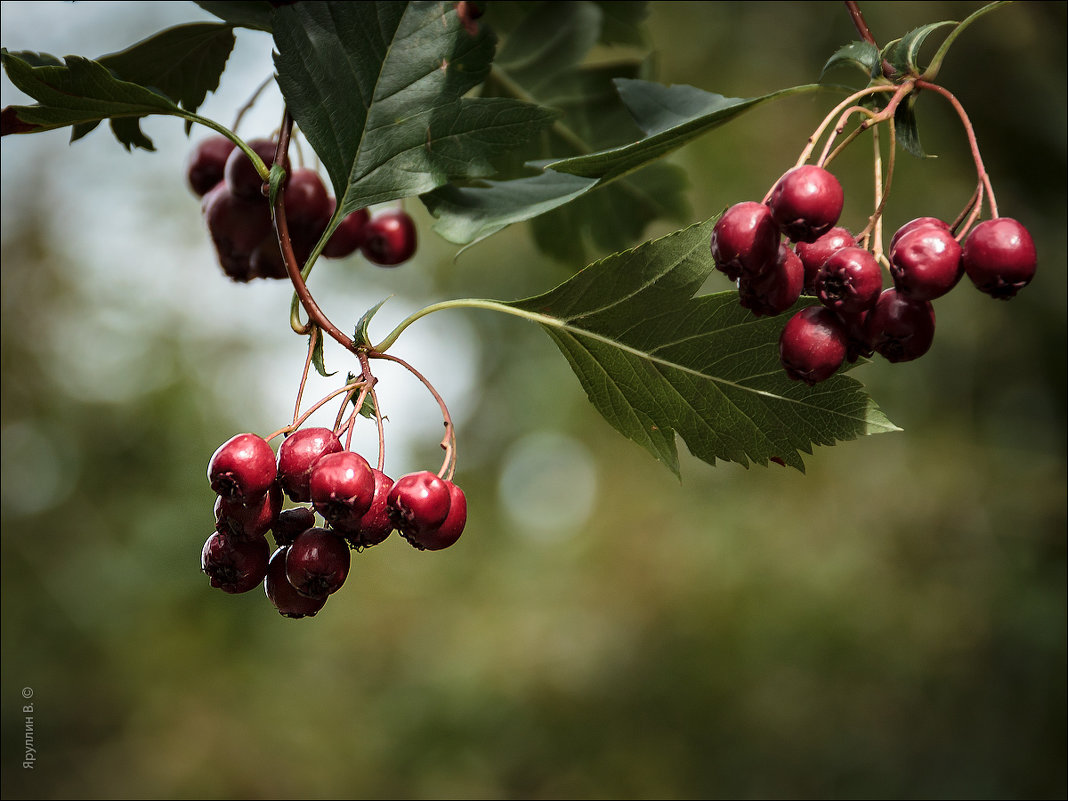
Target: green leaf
{"x": 378, "y": 91}
{"x": 254, "y": 14}
{"x": 367, "y": 408}
{"x": 80, "y": 93}
{"x": 276, "y": 179}
{"x": 908, "y": 133}
{"x": 317, "y": 354}
{"x": 656, "y": 361}
{"x": 362, "y": 336}
{"x": 902, "y": 53}
{"x": 936, "y": 63}
{"x": 863, "y": 55}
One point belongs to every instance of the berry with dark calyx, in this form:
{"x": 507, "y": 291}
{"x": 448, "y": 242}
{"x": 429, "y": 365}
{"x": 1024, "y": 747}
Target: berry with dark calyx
{"x": 900, "y": 328}
{"x": 814, "y": 254}
{"x": 249, "y": 522}
{"x": 418, "y": 502}
{"x": 444, "y": 535}
{"x": 925, "y": 262}
{"x": 291, "y": 523}
{"x": 389, "y": 238}
{"x": 284, "y": 595}
{"x": 242, "y": 469}
{"x": 813, "y": 345}
{"x": 1000, "y": 257}
{"x": 342, "y": 487}
{"x": 745, "y": 240}
{"x": 237, "y": 228}
{"x": 240, "y": 174}
{"x": 806, "y": 202}
{"x": 317, "y": 563}
{"x": 348, "y": 236}
{"x": 207, "y": 162}
{"x": 297, "y": 456}
{"x": 375, "y": 525}
{"x": 775, "y": 290}
{"x": 912, "y": 225}
{"x": 849, "y": 281}
{"x": 234, "y": 564}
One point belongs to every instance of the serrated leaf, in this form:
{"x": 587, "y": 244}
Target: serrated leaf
{"x": 367, "y": 408}
{"x": 902, "y": 53}
{"x": 254, "y": 14}
{"x": 81, "y": 92}
{"x": 905, "y": 125}
{"x": 862, "y": 55}
{"x": 317, "y": 354}
{"x": 378, "y": 91}
{"x": 363, "y": 337}
{"x": 656, "y": 361}
{"x": 936, "y": 62}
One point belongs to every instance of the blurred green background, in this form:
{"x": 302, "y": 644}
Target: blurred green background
{"x": 889, "y": 625}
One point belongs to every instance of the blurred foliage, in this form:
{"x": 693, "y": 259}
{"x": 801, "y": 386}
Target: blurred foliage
{"x": 891, "y": 624}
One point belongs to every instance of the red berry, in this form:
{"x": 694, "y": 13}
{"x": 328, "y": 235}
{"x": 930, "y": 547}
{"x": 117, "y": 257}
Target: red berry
{"x": 389, "y": 238}
{"x": 297, "y": 457}
{"x": 242, "y": 469}
{"x": 1000, "y": 257}
{"x": 814, "y": 254}
{"x": 900, "y": 328}
{"x": 418, "y": 502}
{"x": 342, "y": 487}
{"x": 375, "y": 525}
{"x": 925, "y": 262}
{"x": 249, "y": 522}
{"x": 745, "y": 240}
{"x": 317, "y": 563}
{"x": 348, "y": 236}
{"x": 849, "y": 281}
{"x": 806, "y": 202}
{"x": 233, "y": 564}
{"x": 207, "y": 162}
{"x": 291, "y": 523}
{"x": 775, "y": 290}
{"x": 912, "y": 225}
{"x": 451, "y": 528}
{"x": 813, "y": 345}
{"x": 240, "y": 174}
{"x": 237, "y": 229}
{"x": 284, "y": 595}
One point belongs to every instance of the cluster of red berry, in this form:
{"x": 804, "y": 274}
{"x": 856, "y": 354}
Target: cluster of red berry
{"x": 361, "y": 505}
{"x": 857, "y": 317}
{"x": 235, "y": 208}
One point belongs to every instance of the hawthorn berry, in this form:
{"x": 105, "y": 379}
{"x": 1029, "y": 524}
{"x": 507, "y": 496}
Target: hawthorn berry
{"x": 348, "y": 236}
{"x": 291, "y": 523}
{"x": 234, "y": 564}
{"x": 242, "y": 469}
{"x": 342, "y": 487}
{"x": 249, "y": 522}
{"x": 389, "y": 238}
{"x": 237, "y": 229}
{"x": 900, "y": 328}
{"x": 207, "y": 162}
{"x": 375, "y": 525}
{"x": 745, "y": 240}
{"x": 240, "y": 173}
{"x": 849, "y": 281}
{"x": 284, "y": 595}
{"x": 418, "y": 502}
{"x": 317, "y": 563}
{"x": 297, "y": 456}
{"x": 999, "y": 256}
{"x": 775, "y": 290}
{"x": 450, "y": 529}
{"x": 806, "y": 202}
{"x": 813, "y": 345}
{"x": 926, "y": 262}
{"x": 912, "y": 225}
{"x": 814, "y": 254}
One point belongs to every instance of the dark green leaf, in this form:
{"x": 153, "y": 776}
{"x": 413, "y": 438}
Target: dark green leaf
{"x": 317, "y": 354}
{"x": 863, "y": 55}
{"x": 905, "y": 125}
{"x": 362, "y": 336}
{"x": 367, "y": 408}
{"x": 656, "y": 361}
{"x": 903, "y": 53}
{"x": 378, "y": 91}
{"x": 254, "y": 14}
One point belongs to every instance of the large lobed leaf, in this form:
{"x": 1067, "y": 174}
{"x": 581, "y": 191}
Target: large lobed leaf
{"x": 657, "y": 361}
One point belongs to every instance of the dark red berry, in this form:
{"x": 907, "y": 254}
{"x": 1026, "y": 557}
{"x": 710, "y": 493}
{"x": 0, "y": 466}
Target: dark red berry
{"x": 444, "y": 535}
{"x": 745, "y": 240}
{"x": 348, "y": 236}
{"x": 284, "y": 595}
{"x": 849, "y": 281}
{"x": 806, "y": 203}
{"x": 775, "y": 290}
{"x": 207, "y": 162}
{"x": 317, "y": 563}
{"x": 237, "y": 229}
{"x": 418, "y": 502}
{"x": 297, "y": 456}
{"x": 242, "y": 469}
{"x": 925, "y": 262}
{"x": 857, "y": 344}
{"x": 306, "y": 199}
{"x": 813, "y": 345}
{"x": 912, "y": 225}
{"x": 291, "y": 523}
{"x": 233, "y": 564}
{"x": 1000, "y": 257}
{"x": 240, "y": 174}
{"x": 389, "y": 238}
{"x": 814, "y": 254}
{"x": 375, "y": 525}
{"x": 900, "y": 328}
{"x": 342, "y": 487}
{"x": 252, "y": 521}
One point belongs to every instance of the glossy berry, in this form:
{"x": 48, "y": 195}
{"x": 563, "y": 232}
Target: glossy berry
{"x": 775, "y": 290}
{"x": 298, "y": 455}
{"x": 242, "y": 469}
{"x": 900, "y": 328}
{"x": 233, "y": 564}
{"x": 284, "y": 595}
{"x": 444, "y": 535}
{"x": 308, "y": 209}
{"x": 1000, "y": 257}
{"x": 249, "y": 522}
{"x": 925, "y": 262}
{"x": 237, "y": 228}
{"x": 240, "y": 174}
{"x": 857, "y": 343}
{"x": 806, "y": 203}
{"x": 418, "y": 502}
{"x": 375, "y": 525}
{"x": 317, "y": 563}
{"x": 812, "y": 345}
{"x": 348, "y": 236}
{"x": 206, "y": 164}
{"x": 291, "y": 523}
{"x": 849, "y": 281}
{"x": 912, "y": 225}
{"x": 745, "y": 240}
{"x": 342, "y": 487}
{"x": 389, "y": 238}
{"x": 814, "y": 254}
